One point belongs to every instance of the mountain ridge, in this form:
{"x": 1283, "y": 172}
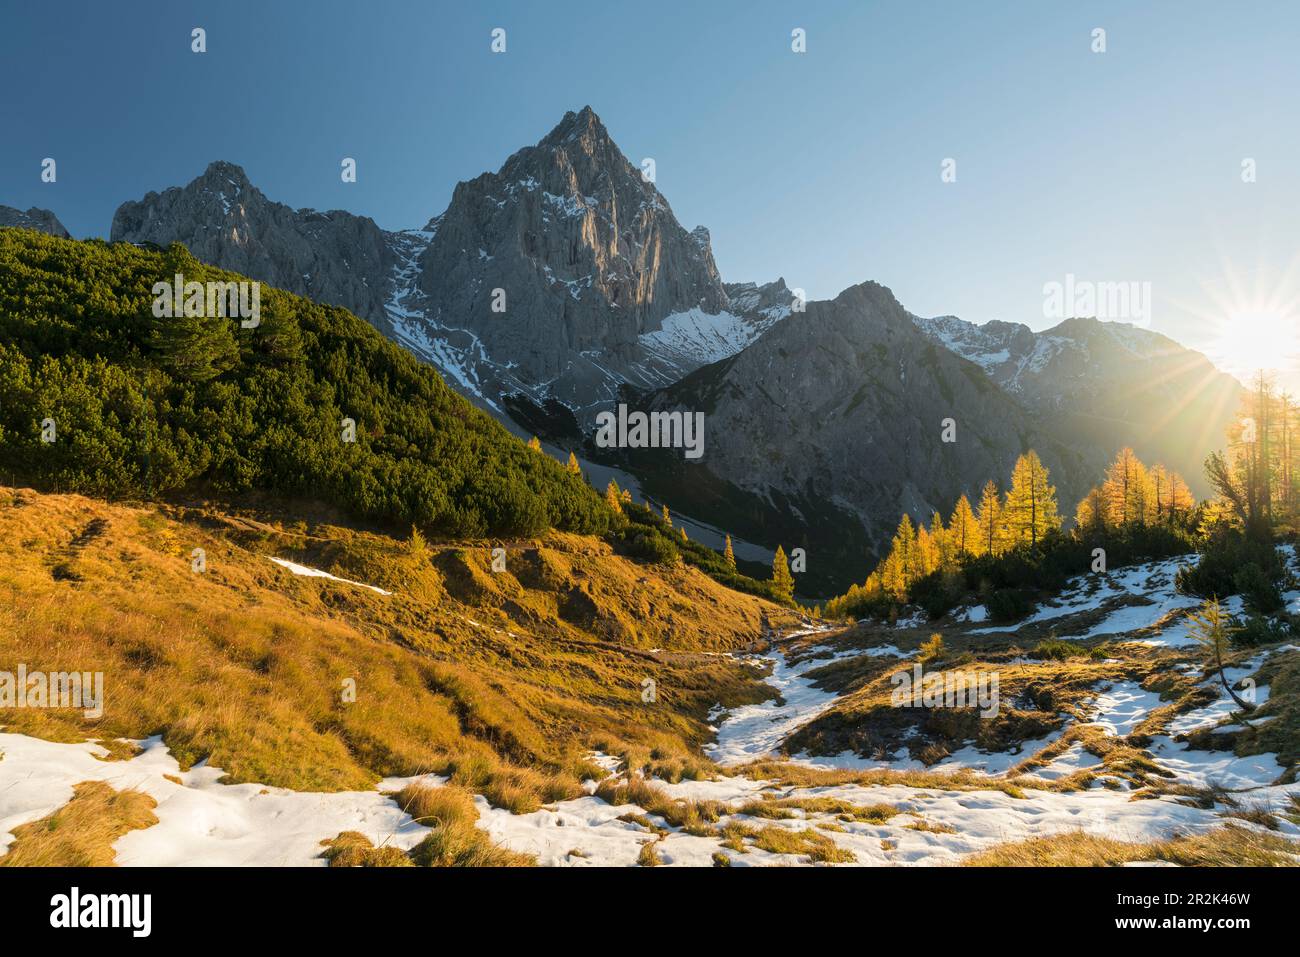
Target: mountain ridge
{"x": 42, "y": 220}
{"x": 596, "y": 282}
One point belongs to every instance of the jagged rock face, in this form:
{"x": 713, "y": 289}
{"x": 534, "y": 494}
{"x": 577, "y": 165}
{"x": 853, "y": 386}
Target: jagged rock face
{"x": 42, "y": 220}
{"x": 333, "y": 257}
{"x": 1105, "y": 385}
{"x": 602, "y": 286}
{"x": 833, "y": 418}
{"x": 590, "y": 259}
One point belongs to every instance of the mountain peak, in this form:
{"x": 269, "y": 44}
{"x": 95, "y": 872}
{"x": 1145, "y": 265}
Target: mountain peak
{"x": 584, "y": 125}
{"x": 226, "y": 172}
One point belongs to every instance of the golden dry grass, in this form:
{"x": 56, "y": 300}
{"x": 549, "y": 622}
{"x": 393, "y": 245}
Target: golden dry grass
{"x": 1227, "y": 846}
{"x": 353, "y": 849}
{"x": 788, "y": 774}
{"x": 1035, "y": 699}
{"x": 82, "y": 832}
{"x": 501, "y": 680}
{"x": 818, "y": 848}
{"x": 454, "y": 841}
{"x": 648, "y": 856}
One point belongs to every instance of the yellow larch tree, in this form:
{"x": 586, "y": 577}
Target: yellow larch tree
{"x": 1031, "y": 503}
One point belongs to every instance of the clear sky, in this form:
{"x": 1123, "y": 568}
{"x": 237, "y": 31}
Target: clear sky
{"x": 822, "y": 167}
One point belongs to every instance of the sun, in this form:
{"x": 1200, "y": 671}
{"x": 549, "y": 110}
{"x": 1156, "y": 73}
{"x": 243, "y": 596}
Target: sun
{"x": 1248, "y": 340}
{"x": 1250, "y": 322}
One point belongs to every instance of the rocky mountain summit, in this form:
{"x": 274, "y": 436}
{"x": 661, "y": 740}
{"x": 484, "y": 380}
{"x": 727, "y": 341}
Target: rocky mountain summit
{"x": 587, "y": 257}
{"x": 41, "y": 220}
{"x": 333, "y": 257}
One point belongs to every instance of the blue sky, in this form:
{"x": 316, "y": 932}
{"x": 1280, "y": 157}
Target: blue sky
{"x": 821, "y": 167}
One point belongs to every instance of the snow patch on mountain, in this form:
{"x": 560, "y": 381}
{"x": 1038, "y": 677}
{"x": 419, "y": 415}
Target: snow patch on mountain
{"x": 694, "y": 338}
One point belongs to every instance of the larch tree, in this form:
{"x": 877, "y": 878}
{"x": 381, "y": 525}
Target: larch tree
{"x": 782, "y": 580}
{"x": 945, "y": 549}
{"x": 963, "y": 530}
{"x": 989, "y": 520}
{"x": 1129, "y": 493}
{"x": 1172, "y": 496}
{"x": 896, "y": 570}
{"x": 613, "y": 498}
{"x": 925, "y": 557}
{"x": 1160, "y": 480}
{"x": 728, "y": 555}
{"x": 1031, "y": 502}
{"x": 572, "y": 465}
{"x": 1090, "y": 516}
{"x": 1212, "y": 629}
{"x": 1181, "y": 500}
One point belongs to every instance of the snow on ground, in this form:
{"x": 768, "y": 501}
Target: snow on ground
{"x": 1221, "y": 769}
{"x": 1153, "y": 581}
{"x": 204, "y": 822}
{"x": 980, "y": 819}
{"x": 696, "y": 337}
{"x": 317, "y": 573}
{"x": 1215, "y": 712}
{"x": 592, "y": 828}
{"x": 994, "y": 763}
{"x": 1123, "y": 706}
{"x": 1072, "y": 759}
{"x": 753, "y": 731}
{"x": 199, "y": 820}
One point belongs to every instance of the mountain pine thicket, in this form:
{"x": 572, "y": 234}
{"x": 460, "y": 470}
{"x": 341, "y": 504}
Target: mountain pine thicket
{"x": 143, "y": 406}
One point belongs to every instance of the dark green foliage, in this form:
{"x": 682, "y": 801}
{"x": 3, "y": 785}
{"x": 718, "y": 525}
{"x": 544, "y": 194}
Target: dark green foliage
{"x": 144, "y": 405}
{"x": 649, "y": 545}
{"x": 1056, "y": 649}
{"x": 646, "y": 537}
{"x": 1263, "y": 630}
{"x": 1231, "y": 564}
{"x": 1261, "y": 592}
{"x": 1009, "y": 604}
{"x": 939, "y": 601}
{"x": 194, "y": 348}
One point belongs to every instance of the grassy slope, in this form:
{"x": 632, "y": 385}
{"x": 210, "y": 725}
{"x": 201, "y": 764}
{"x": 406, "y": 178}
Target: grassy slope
{"x": 503, "y": 679}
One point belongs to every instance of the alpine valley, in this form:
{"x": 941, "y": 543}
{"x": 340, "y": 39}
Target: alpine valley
{"x": 296, "y": 595}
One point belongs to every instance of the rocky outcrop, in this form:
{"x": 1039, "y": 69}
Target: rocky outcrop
{"x": 333, "y": 257}
{"x": 42, "y": 220}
